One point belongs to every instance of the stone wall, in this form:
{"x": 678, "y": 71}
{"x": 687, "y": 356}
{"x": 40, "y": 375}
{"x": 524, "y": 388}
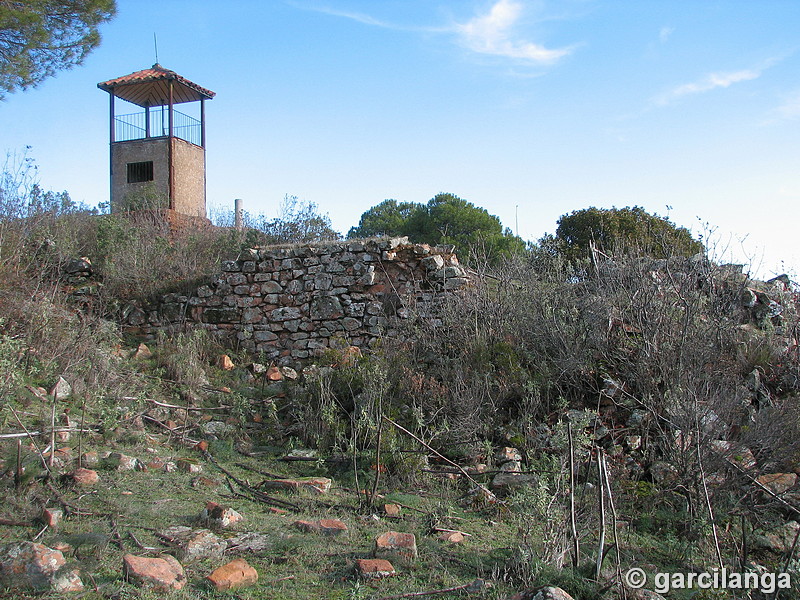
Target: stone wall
{"x": 291, "y": 303}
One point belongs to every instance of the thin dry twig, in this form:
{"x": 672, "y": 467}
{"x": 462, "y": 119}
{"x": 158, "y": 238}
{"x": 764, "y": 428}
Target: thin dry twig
{"x": 254, "y": 493}
{"x": 444, "y": 458}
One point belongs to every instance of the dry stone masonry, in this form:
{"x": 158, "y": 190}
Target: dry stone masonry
{"x": 291, "y": 303}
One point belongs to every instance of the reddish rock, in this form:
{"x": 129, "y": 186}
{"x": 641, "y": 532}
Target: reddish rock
{"x": 121, "y": 462}
{"x": 451, "y": 537}
{"x": 162, "y": 574}
{"x": 778, "y": 483}
{"x": 89, "y": 459}
{"x": 306, "y": 526}
{"x": 332, "y": 527}
{"x": 52, "y": 517}
{"x": 27, "y": 565}
{"x": 274, "y": 374}
{"x": 142, "y": 352}
{"x": 393, "y": 544}
{"x": 391, "y": 510}
{"x": 318, "y": 485}
{"x": 234, "y": 575}
{"x": 225, "y": 363}
{"x": 220, "y": 516}
{"x": 83, "y": 477}
{"x": 201, "y": 481}
{"x": 374, "y": 568}
{"x": 189, "y": 466}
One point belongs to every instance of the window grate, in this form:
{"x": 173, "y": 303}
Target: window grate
{"x": 139, "y": 172}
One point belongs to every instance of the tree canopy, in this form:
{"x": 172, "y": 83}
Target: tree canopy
{"x": 445, "y": 219}
{"x": 615, "y": 229}
{"x": 40, "y": 37}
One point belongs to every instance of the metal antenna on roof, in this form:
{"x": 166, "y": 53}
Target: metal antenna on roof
{"x": 155, "y": 44}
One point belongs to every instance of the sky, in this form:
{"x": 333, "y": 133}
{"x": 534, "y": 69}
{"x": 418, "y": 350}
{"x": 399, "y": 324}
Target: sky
{"x": 528, "y": 108}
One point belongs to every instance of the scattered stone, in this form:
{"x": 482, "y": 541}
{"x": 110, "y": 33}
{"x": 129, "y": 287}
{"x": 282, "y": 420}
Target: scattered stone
{"x": 225, "y": 363}
{"x": 778, "y": 483}
{"x": 187, "y": 465}
{"x": 82, "y": 477}
{"x": 332, "y": 527}
{"x": 61, "y": 457}
{"x": 451, "y": 537}
{"x": 633, "y": 442}
{"x": 508, "y": 482}
{"x": 663, "y": 472}
{"x": 142, "y": 352}
{"x": 52, "y": 517}
{"x": 374, "y": 568}
{"x": 289, "y": 373}
{"x": 28, "y": 565}
{"x": 317, "y": 485}
{"x": 779, "y": 540}
{"x": 738, "y": 455}
{"x": 121, "y": 462}
{"x": 301, "y": 454}
{"x": 194, "y": 544}
{"x": 61, "y": 390}
{"x": 250, "y": 542}
{"x": 507, "y": 454}
{"x": 89, "y": 459}
{"x": 393, "y": 544}
{"x": 274, "y": 374}
{"x": 219, "y": 516}
{"x": 163, "y": 573}
{"x": 545, "y": 593}
{"x": 217, "y": 429}
{"x": 637, "y": 418}
{"x": 234, "y": 575}
{"x": 208, "y": 482}
{"x": 391, "y": 510}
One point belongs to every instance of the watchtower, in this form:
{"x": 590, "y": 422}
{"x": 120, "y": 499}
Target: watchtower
{"x": 158, "y": 148}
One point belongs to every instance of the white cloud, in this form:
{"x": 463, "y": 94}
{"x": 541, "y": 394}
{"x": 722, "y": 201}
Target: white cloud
{"x": 491, "y": 34}
{"x": 790, "y": 109}
{"x": 708, "y": 83}
{"x": 665, "y": 34}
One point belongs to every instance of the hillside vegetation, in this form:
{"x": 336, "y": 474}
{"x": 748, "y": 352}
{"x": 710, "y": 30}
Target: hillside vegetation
{"x": 571, "y": 416}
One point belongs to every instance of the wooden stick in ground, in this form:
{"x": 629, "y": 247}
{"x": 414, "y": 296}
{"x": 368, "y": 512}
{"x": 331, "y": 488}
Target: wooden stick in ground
{"x": 52, "y": 458}
{"x": 601, "y": 501}
{"x": 25, "y": 429}
{"x": 614, "y": 523}
{"x": 444, "y": 458}
{"x": 80, "y": 433}
{"x": 18, "y": 470}
{"x": 377, "y": 459}
{"x": 576, "y": 548}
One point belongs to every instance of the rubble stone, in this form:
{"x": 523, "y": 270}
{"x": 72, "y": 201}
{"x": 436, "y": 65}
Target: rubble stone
{"x": 162, "y": 573}
{"x": 374, "y": 568}
{"x": 396, "y": 545}
{"x": 233, "y": 575}
{"x": 28, "y": 565}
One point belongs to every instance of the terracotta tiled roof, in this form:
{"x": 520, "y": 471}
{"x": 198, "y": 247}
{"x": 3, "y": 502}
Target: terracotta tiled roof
{"x": 150, "y": 87}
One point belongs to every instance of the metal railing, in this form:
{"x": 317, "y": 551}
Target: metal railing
{"x": 135, "y": 127}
